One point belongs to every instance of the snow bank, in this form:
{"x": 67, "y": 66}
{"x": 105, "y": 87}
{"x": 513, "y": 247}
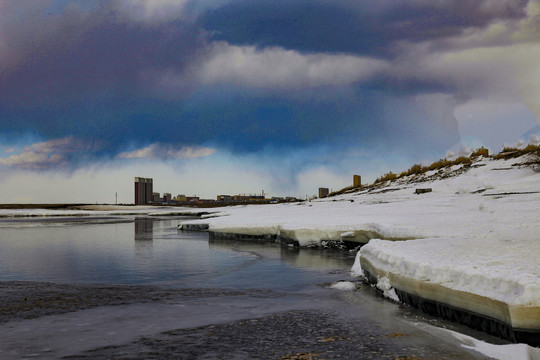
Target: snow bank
{"x": 503, "y": 270}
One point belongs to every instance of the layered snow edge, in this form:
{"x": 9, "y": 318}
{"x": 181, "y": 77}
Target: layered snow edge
{"x": 517, "y": 313}
{"x": 499, "y": 278}
{"x": 306, "y": 237}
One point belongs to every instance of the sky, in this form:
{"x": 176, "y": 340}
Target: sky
{"x": 213, "y": 97}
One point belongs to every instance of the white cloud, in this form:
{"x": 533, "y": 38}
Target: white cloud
{"x": 167, "y": 152}
{"x": 190, "y": 152}
{"x": 493, "y": 122}
{"x": 152, "y": 10}
{"x": 32, "y": 160}
{"x": 276, "y": 68}
{"x": 497, "y": 76}
{"x": 504, "y": 32}
{"x": 495, "y": 89}
{"x": 42, "y": 155}
{"x": 139, "y": 153}
{"x": 63, "y": 145}
{"x": 511, "y": 72}
{"x": 498, "y": 63}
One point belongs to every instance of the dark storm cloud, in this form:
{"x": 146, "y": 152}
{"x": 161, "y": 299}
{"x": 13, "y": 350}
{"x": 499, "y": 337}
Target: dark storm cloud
{"x": 242, "y": 120}
{"x": 89, "y": 73}
{"x": 97, "y": 52}
{"x": 363, "y": 27}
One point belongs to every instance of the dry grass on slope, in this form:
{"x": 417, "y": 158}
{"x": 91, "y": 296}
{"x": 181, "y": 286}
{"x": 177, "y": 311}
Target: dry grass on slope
{"x": 415, "y": 172}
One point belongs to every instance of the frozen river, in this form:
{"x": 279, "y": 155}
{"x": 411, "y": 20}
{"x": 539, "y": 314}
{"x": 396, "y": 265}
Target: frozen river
{"x": 136, "y": 287}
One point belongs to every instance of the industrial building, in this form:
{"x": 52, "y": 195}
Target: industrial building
{"x": 323, "y": 192}
{"x": 143, "y": 190}
{"x": 225, "y": 199}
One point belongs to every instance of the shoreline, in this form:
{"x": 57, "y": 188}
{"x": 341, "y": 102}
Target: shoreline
{"x": 470, "y": 243}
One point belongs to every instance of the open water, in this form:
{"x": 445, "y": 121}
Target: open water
{"x": 151, "y": 251}
{"x": 272, "y": 280}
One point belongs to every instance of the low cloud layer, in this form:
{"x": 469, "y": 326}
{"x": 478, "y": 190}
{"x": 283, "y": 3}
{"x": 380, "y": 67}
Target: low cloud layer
{"x": 54, "y": 153}
{"x": 158, "y": 151}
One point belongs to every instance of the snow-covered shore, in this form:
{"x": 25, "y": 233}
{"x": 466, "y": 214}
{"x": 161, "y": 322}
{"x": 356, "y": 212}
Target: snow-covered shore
{"x": 472, "y": 243}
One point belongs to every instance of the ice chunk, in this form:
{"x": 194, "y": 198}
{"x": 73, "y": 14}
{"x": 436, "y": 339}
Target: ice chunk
{"x": 343, "y": 285}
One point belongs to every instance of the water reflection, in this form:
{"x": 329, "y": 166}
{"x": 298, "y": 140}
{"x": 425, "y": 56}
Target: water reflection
{"x": 144, "y": 244}
{"x": 144, "y": 229}
{"x": 318, "y": 259}
{"x": 152, "y": 250}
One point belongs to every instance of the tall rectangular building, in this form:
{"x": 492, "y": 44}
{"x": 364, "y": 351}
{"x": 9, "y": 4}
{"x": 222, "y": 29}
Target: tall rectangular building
{"x": 138, "y": 190}
{"x": 143, "y": 190}
{"x": 149, "y": 188}
{"x": 323, "y": 192}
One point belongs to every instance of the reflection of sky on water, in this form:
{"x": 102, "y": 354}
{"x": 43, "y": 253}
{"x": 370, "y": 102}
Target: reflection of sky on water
{"x": 150, "y": 250}
{"x": 315, "y": 259}
{"x": 281, "y": 267}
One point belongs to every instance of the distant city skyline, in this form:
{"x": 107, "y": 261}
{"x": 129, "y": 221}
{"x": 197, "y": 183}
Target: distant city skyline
{"x": 144, "y": 194}
{"x": 235, "y": 96}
